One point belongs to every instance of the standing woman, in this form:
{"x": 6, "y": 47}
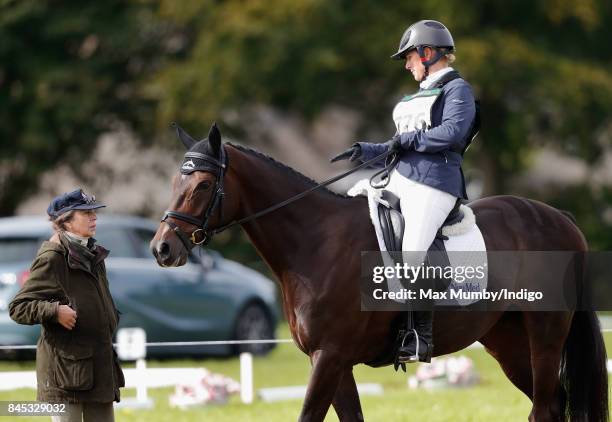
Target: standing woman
{"x": 67, "y": 293}
{"x": 434, "y": 128}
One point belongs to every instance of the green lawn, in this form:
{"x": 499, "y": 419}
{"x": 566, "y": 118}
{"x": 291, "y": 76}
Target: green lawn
{"x": 493, "y": 399}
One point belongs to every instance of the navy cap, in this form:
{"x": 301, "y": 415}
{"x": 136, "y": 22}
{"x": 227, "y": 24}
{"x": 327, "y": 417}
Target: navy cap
{"x": 75, "y": 200}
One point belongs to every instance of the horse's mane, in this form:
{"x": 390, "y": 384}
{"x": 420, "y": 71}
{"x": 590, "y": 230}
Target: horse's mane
{"x": 285, "y": 168}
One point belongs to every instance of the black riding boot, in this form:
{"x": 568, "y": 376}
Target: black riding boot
{"x": 408, "y": 352}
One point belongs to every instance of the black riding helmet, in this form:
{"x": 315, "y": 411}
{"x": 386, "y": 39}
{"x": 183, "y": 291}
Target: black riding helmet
{"x": 425, "y": 33}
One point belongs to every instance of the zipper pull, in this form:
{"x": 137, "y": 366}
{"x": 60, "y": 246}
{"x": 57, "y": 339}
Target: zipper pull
{"x": 445, "y": 158}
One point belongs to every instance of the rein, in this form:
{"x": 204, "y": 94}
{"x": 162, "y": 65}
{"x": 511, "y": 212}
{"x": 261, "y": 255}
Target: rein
{"x": 202, "y": 236}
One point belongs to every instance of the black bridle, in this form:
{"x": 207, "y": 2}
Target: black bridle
{"x": 202, "y": 235}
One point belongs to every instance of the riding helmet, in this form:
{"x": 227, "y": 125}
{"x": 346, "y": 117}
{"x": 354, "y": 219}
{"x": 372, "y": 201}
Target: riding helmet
{"x": 423, "y": 33}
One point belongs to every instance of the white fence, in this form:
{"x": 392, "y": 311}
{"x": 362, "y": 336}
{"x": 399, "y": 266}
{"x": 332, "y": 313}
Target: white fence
{"x": 142, "y": 377}
{"x": 174, "y": 343}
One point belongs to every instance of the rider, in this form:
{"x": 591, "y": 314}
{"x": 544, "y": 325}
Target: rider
{"x": 434, "y": 127}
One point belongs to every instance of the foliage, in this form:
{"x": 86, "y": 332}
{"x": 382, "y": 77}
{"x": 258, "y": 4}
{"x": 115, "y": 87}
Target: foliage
{"x": 539, "y": 68}
{"x": 539, "y": 74}
{"x": 67, "y": 72}
{"x": 72, "y": 70}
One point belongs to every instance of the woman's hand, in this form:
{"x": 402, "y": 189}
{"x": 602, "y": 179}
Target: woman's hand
{"x": 66, "y": 316}
{"x": 394, "y": 144}
{"x": 353, "y": 153}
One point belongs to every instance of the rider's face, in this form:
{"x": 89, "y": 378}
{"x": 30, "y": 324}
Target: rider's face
{"x": 415, "y": 66}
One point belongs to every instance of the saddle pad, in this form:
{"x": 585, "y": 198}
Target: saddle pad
{"x": 464, "y": 237}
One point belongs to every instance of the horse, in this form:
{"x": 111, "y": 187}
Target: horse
{"x": 313, "y": 245}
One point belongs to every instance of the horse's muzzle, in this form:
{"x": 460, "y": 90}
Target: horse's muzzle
{"x": 162, "y": 251}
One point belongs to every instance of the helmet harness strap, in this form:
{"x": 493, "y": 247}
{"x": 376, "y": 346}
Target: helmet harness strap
{"x": 437, "y": 56}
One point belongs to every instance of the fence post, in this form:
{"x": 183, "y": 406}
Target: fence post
{"x": 141, "y": 388}
{"x": 246, "y": 378}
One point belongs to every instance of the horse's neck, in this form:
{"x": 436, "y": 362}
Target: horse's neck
{"x": 286, "y": 238}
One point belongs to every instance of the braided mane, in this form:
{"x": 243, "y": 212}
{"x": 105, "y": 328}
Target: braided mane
{"x": 285, "y": 168}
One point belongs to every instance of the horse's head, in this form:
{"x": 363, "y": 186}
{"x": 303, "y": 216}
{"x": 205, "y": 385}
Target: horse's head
{"x": 197, "y": 199}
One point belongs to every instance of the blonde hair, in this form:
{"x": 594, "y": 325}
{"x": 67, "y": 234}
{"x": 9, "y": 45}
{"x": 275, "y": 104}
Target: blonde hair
{"x": 450, "y": 57}
{"x": 59, "y": 223}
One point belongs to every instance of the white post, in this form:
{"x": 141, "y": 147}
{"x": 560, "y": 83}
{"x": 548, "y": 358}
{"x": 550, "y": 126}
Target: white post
{"x": 141, "y": 388}
{"x": 132, "y": 345}
{"x": 246, "y": 378}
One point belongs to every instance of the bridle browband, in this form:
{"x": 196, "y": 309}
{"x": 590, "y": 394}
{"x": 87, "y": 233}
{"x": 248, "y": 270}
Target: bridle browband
{"x": 202, "y": 235}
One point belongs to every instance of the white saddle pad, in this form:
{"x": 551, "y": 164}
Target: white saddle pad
{"x": 464, "y": 237}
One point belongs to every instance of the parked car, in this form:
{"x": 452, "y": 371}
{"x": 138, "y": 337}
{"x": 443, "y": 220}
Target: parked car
{"x": 209, "y": 298}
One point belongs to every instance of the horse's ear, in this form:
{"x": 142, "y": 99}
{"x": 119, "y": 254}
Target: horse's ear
{"x": 185, "y": 138}
{"x": 214, "y": 139}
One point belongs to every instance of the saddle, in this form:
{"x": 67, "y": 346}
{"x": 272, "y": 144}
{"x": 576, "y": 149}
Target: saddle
{"x": 392, "y": 222}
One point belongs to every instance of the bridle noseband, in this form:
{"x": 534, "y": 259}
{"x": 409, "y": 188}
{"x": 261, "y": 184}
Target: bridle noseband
{"x": 201, "y": 235}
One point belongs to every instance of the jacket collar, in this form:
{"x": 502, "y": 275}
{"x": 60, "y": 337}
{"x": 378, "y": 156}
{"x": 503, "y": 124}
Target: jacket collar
{"x": 431, "y": 80}
{"x": 75, "y": 258}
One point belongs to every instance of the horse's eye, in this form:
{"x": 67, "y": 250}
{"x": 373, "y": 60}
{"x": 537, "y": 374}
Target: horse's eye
{"x": 204, "y": 186}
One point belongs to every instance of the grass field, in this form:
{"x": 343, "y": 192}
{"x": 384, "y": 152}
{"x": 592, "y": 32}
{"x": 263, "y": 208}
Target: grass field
{"x": 494, "y": 399}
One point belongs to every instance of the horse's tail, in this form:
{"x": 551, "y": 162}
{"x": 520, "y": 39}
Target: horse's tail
{"x": 584, "y": 375}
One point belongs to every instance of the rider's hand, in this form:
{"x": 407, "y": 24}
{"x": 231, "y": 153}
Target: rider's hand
{"x": 66, "y": 316}
{"x": 394, "y": 144}
{"x": 353, "y": 153}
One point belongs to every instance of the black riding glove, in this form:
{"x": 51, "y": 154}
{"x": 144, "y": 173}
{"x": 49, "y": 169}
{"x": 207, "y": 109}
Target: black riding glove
{"x": 353, "y": 153}
{"x": 394, "y": 144}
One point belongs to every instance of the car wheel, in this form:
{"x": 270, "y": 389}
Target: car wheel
{"x": 253, "y": 323}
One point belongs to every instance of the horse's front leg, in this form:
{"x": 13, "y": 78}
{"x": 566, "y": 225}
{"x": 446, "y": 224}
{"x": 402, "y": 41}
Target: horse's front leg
{"x": 346, "y": 400}
{"x": 327, "y": 371}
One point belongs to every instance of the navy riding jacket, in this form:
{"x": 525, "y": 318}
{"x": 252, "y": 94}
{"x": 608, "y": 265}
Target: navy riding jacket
{"x": 433, "y": 157}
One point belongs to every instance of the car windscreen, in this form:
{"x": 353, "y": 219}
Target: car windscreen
{"x": 15, "y": 249}
{"x": 117, "y": 240}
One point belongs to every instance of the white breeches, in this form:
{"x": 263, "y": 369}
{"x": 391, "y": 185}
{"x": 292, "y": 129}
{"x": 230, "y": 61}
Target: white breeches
{"x": 424, "y": 209}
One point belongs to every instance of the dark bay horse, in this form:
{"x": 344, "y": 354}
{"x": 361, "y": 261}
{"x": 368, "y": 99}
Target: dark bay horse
{"x": 313, "y": 246}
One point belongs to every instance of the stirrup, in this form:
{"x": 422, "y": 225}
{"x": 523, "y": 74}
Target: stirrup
{"x": 403, "y": 357}
{"x": 401, "y": 335}
{"x": 409, "y": 358}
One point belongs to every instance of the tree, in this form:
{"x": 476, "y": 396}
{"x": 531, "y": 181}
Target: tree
{"x": 540, "y": 69}
{"x": 541, "y": 75}
{"x": 67, "y": 73}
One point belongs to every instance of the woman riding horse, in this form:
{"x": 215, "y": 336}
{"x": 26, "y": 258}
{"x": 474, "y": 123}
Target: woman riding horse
{"x": 434, "y": 127}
